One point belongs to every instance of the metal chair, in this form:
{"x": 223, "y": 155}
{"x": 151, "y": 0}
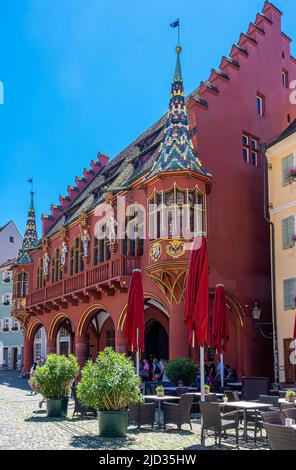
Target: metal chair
{"x": 213, "y": 421}
{"x": 232, "y": 395}
{"x": 178, "y": 413}
{"x": 290, "y": 413}
{"x": 269, "y": 399}
{"x": 280, "y": 437}
{"x": 79, "y": 408}
{"x": 211, "y": 398}
{"x": 142, "y": 413}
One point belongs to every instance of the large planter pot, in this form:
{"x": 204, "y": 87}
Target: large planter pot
{"x": 57, "y": 407}
{"x": 113, "y": 423}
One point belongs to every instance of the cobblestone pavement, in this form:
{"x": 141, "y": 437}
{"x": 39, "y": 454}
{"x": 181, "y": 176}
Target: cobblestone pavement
{"x": 24, "y": 426}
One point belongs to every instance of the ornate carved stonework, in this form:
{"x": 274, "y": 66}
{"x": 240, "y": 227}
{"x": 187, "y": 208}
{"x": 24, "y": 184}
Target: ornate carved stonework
{"x": 64, "y": 248}
{"x": 171, "y": 278}
{"x": 46, "y": 258}
{"x": 175, "y": 248}
{"x": 85, "y": 236}
{"x": 155, "y": 251}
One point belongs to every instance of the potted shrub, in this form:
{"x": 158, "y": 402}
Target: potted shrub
{"x": 181, "y": 369}
{"x": 290, "y": 396}
{"x": 53, "y": 381}
{"x": 207, "y": 389}
{"x": 109, "y": 385}
{"x": 160, "y": 391}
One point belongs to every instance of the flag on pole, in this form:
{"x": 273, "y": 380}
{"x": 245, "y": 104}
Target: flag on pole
{"x": 175, "y": 24}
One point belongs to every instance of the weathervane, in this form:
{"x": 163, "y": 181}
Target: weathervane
{"x": 176, "y": 24}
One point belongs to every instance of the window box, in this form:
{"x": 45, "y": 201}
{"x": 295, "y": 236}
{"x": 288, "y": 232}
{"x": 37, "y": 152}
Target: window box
{"x": 14, "y": 328}
{"x": 292, "y": 174}
{"x": 6, "y": 280}
{"x": 5, "y": 330}
{"x": 6, "y": 303}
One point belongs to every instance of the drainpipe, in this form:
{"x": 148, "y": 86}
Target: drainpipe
{"x": 273, "y": 279}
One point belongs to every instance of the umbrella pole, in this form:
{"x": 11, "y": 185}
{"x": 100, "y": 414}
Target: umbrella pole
{"x": 222, "y": 370}
{"x": 202, "y": 372}
{"x": 138, "y": 355}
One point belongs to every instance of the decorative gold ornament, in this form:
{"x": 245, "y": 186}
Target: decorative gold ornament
{"x": 175, "y": 248}
{"x": 155, "y": 251}
{"x": 108, "y": 197}
{"x": 64, "y": 234}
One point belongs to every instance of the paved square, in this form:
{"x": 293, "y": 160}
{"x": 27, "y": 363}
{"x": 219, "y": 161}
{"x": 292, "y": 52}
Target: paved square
{"x": 24, "y": 426}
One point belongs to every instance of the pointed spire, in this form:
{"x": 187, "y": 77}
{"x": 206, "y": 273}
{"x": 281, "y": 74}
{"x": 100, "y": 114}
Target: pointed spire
{"x": 30, "y": 239}
{"x": 176, "y": 151}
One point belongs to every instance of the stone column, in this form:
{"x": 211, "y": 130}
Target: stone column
{"x": 178, "y": 333}
{"x": 81, "y": 350}
{"x": 28, "y": 353}
{"x": 51, "y": 346}
{"x": 120, "y": 342}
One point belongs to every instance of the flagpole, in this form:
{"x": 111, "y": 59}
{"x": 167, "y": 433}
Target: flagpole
{"x": 178, "y": 31}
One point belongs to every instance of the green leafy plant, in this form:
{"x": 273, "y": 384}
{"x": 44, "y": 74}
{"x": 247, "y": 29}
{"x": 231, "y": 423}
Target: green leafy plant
{"x": 159, "y": 389}
{"x": 110, "y": 383}
{"x": 290, "y": 394}
{"x": 53, "y": 380}
{"x": 181, "y": 369}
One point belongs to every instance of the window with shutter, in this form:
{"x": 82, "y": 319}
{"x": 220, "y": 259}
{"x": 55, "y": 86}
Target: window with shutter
{"x": 288, "y": 228}
{"x": 289, "y": 293}
{"x": 287, "y": 165}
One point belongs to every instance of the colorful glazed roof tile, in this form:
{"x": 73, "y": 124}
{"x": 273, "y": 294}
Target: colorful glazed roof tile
{"x": 176, "y": 150}
{"x": 30, "y": 240}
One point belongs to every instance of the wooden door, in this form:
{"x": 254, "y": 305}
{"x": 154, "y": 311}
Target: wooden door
{"x": 289, "y": 360}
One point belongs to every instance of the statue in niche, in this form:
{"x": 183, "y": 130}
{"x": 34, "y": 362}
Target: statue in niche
{"x": 84, "y": 233}
{"x": 64, "y": 248}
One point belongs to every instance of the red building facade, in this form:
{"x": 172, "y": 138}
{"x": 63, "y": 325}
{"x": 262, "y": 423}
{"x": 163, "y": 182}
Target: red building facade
{"x": 75, "y": 285}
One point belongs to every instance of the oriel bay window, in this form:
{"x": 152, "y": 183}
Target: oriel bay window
{"x": 177, "y": 213}
{"x": 76, "y": 257}
{"x": 20, "y": 285}
{"x": 56, "y": 271}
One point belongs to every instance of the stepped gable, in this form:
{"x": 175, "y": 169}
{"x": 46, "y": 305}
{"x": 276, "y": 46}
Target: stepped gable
{"x": 140, "y": 156}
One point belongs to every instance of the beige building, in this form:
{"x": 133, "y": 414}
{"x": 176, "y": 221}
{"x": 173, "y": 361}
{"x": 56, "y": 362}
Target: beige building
{"x": 281, "y": 156}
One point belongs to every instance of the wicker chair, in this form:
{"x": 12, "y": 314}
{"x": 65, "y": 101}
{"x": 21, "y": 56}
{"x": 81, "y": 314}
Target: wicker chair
{"x": 280, "y": 437}
{"x": 142, "y": 414}
{"x": 232, "y": 395}
{"x": 211, "y": 398}
{"x": 79, "y": 408}
{"x": 212, "y": 420}
{"x": 287, "y": 406}
{"x": 290, "y": 413}
{"x": 178, "y": 413}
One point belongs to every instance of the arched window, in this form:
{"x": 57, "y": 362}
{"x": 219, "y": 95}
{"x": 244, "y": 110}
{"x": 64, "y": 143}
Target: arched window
{"x": 76, "y": 257}
{"x": 20, "y": 285}
{"x": 56, "y": 271}
{"x": 177, "y": 213}
{"x": 101, "y": 250}
{"x": 40, "y": 276}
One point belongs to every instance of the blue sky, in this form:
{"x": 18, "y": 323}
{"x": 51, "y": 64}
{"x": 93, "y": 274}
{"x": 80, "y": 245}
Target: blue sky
{"x": 83, "y": 76}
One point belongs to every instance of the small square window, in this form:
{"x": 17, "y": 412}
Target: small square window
{"x": 245, "y": 139}
{"x": 246, "y": 154}
{"x": 254, "y": 144}
{"x": 11, "y": 239}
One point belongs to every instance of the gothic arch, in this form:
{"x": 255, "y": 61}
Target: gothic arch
{"x": 32, "y": 328}
{"x": 56, "y": 322}
{"x": 147, "y": 296}
{"x": 86, "y": 316}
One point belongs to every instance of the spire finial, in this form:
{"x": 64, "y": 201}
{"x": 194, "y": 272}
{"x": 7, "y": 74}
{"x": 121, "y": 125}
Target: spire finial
{"x": 176, "y": 150}
{"x": 30, "y": 240}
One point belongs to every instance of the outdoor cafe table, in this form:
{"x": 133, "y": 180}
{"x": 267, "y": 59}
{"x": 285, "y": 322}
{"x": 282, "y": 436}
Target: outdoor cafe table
{"x": 282, "y": 401}
{"x": 245, "y": 406}
{"x": 159, "y": 400}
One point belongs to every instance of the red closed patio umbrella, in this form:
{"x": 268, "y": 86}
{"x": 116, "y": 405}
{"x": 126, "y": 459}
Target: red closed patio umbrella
{"x": 196, "y": 308}
{"x": 220, "y": 325}
{"x": 134, "y": 321}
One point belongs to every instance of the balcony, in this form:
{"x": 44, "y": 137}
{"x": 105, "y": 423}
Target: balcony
{"x": 106, "y": 276}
